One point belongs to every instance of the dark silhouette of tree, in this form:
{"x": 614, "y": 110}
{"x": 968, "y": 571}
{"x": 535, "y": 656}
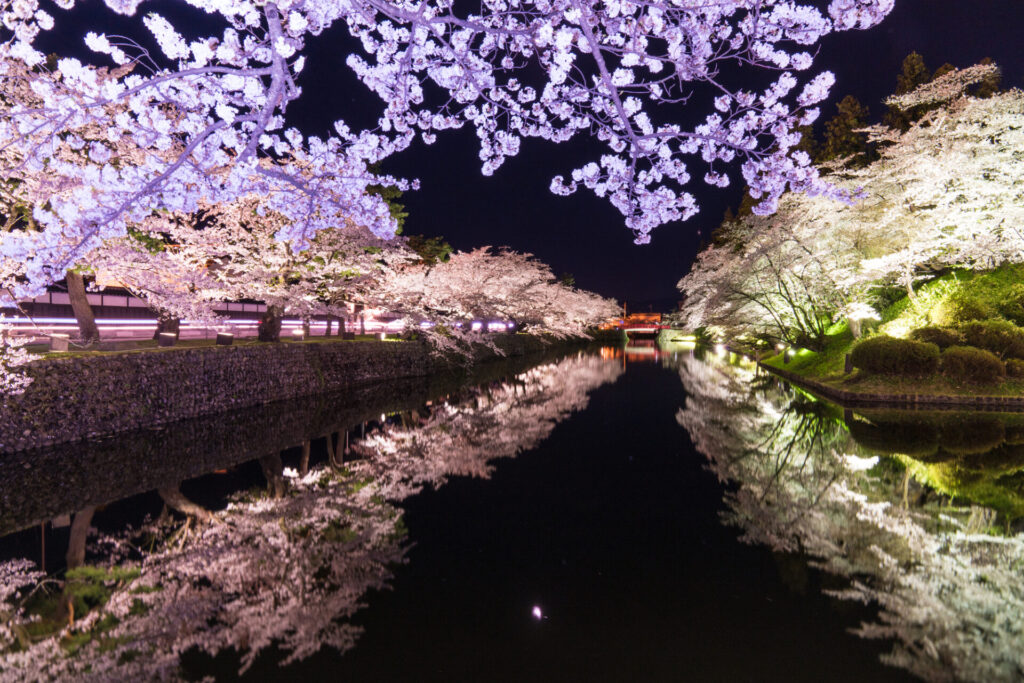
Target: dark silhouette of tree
{"x": 990, "y": 86}
{"x": 913, "y": 74}
{"x": 842, "y": 140}
{"x": 431, "y": 250}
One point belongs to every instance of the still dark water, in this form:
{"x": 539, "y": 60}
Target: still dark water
{"x": 672, "y": 515}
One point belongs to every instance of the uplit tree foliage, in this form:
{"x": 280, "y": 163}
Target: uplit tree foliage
{"x": 208, "y": 116}
{"x": 945, "y": 193}
{"x": 483, "y": 284}
{"x": 228, "y": 252}
{"x": 13, "y": 359}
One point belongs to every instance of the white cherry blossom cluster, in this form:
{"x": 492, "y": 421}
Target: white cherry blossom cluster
{"x": 945, "y": 193}
{"x": 207, "y": 117}
{"x": 485, "y": 284}
{"x": 13, "y": 359}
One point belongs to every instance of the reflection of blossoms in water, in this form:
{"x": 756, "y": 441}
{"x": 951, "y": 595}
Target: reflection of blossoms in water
{"x": 496, "y": 421}
{"x": 285, "y": 570}
{"x": 952, "y": 600}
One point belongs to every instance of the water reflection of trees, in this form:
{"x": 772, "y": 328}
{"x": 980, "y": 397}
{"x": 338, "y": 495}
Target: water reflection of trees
{"x": 284, "y": 565}
{"x": 493, "y": 421}
{"x": 945, "y": 575}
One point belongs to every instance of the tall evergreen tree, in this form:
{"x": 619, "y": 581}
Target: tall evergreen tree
{"x": 841, "y": 139}
{"x": 989, "y": 86}
{"x": 913, "y": 73}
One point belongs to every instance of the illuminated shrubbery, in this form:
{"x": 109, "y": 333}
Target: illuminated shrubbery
{"x": 1015, "y": 368}
{"x": 964, "y": 307}
{"x": 1012, "y": 306}
{"x": 892, "y": 356}
{"x": 968, "y": 364}
{"x": 1001, "y": 337}
{"x": 943, "y": 337}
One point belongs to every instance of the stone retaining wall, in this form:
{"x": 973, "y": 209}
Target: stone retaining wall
{"x": 83, "y": 397}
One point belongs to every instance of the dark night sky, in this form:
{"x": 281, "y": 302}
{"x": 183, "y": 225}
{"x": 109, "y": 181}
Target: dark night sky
{"x": 581, "y": 234}
{"x": 585, "y": 236}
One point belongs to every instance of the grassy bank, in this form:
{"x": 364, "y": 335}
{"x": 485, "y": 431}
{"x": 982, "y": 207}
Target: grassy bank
{"x": 951, "y": 302}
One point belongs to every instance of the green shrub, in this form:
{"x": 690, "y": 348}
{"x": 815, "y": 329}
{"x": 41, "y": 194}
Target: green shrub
{"x": 962, "y": 307}
{"x": 1012, "y": 306}
{"x": 968, "y": 364}
{"x": 1001, "y": 337}
{"x": 1015, "y": 367}
{"x": 892, "y": 356}
{"x": 943, "y": 337}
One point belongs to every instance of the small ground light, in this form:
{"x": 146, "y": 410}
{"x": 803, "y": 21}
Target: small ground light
{"x": 536, "y": 612}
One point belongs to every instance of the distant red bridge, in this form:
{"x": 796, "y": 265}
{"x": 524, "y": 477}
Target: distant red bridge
{"x": 639, "y": 324}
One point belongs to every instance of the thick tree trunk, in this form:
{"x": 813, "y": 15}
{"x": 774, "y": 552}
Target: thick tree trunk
{"x": 304, "y": 460}
{"x": 270, "y": 324}
{"x": 87, "y": 331}
{"x": 305, "y": 327}
{"x": 175, "y": 499}
{"x": 75, "y": 556}
{"x": 273, "y": 471}
{"x": 335, "y": 451}
{"x": 165, "y": 322}
{"x": 329, "y": 321}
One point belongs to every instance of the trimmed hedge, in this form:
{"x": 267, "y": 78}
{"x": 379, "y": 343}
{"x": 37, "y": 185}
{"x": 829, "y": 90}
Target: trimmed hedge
{"x": 891, "y": 356}
{"x": 943, "y": 337}
{"x": 1015, "y": 368}
{"x": 968, "y": 364}
{"x": 1001, "y": 337}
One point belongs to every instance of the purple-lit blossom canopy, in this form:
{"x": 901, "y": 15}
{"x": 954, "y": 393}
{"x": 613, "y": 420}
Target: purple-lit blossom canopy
{"x": 206, "y": 118}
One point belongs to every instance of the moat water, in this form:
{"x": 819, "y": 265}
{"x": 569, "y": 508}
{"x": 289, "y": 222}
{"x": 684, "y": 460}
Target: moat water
{"x": 614, "y": 514}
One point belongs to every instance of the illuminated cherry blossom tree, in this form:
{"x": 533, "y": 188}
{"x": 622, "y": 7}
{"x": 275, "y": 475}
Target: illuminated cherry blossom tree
{"x": 208, "y": 116}
{"x": 945, "y": 193}
{"x": 483, "y": 284}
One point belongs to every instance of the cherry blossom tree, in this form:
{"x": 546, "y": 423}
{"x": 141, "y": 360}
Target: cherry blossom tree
{"x": 482, "y": 285}
{"x": 769, "y": 277}
{"x": 943, "y": 194}
{"x": 13, "y": 358}
{"x": 228, "y": 252}
{"x": 208, "y": 116}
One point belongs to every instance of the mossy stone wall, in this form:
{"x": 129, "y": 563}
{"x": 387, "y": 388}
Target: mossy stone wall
{"x": 82, "y": 397}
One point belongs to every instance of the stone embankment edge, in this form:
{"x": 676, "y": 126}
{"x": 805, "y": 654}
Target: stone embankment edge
{"x": 76, "y": 398}
{"x": 853, "y": 399}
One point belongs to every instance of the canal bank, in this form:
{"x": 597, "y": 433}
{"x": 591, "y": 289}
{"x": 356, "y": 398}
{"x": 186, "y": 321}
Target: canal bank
{"x": 853, "y": 398}
{"x": 83, "y": 397}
